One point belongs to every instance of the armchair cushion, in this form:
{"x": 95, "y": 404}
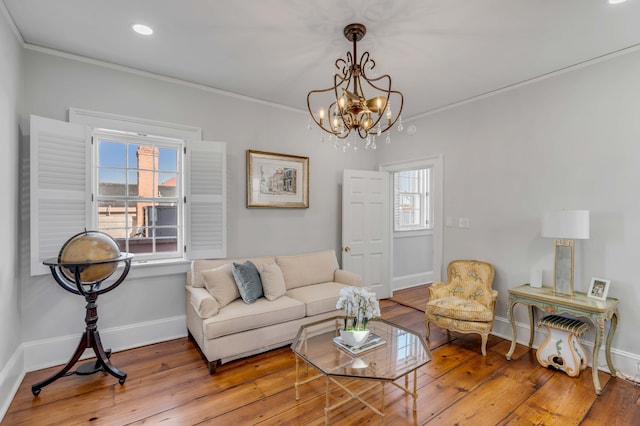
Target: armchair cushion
{"x": 461, "y": 309}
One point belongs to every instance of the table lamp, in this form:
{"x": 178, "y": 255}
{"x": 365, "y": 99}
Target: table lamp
{"x": 565, "y": 226}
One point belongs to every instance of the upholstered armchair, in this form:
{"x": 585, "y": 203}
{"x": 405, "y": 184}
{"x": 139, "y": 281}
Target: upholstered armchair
{"x": 466, "y": 303}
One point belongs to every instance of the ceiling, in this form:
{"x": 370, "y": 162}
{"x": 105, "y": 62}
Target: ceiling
{"x": 438, "y": 52}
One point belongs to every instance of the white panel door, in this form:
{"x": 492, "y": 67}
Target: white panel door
{"x": 366, "y": 228}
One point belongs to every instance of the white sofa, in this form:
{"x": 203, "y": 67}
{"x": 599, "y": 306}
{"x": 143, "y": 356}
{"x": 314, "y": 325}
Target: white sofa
{"x": 312, "y": 283}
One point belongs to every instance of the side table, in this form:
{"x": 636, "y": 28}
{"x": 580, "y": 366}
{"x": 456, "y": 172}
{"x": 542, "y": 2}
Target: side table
{"x": 579, "y": 305}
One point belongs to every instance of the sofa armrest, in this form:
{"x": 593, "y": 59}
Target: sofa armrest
{"x": 345, "y": 277}
{"x": 202, "y": 301}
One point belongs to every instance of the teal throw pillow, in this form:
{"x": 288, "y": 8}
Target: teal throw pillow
{"x": 248, "y": 281}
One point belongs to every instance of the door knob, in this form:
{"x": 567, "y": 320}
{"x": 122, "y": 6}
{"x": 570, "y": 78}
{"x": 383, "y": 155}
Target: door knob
{"x": 347, "y": 249}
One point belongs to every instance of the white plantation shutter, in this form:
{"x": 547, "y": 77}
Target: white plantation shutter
{"x": 205, "y": 209}
{"x": 60, "y": 156}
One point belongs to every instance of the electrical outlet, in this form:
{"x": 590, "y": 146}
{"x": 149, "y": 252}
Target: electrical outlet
{"x": 463, "y": 222}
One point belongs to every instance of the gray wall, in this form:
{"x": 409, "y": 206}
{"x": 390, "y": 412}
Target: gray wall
{"x": 55, "y": 84}
{"x": 570, "y": 141}
{"x": 412, "y": 260}
{"x": 10, "y": 93}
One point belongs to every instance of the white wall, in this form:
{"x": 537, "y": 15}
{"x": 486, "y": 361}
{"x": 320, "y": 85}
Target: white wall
{"x": 570, "y": 141}
{"x": 10, "y": 94}
{"x": 151, "y": 308}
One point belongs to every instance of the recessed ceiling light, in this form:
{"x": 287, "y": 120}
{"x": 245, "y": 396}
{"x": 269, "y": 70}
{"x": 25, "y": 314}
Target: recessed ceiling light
{"x": 615, "y": 1}
{"x": 142, "y": 29}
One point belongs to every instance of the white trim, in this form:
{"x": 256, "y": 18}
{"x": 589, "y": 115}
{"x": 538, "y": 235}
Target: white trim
{"x": 408, "y": 281}
{"x": 14, "y": 28}
{"x": 160, "y": 77}
{"x": 624, "y": 51}
{"x": 57, "y": 351}
{"x": 104, "y": 120}
{"x": 11, "y": 376}
{"x": 437, "y": 163}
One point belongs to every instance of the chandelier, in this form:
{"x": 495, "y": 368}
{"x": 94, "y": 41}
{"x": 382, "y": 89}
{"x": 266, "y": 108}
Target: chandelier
{"x": 359, "y": 102}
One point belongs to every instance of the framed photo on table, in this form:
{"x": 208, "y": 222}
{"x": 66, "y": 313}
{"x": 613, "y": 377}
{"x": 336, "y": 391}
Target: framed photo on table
{"x": 599, "y": 288}
{"x": 277, "y": 180}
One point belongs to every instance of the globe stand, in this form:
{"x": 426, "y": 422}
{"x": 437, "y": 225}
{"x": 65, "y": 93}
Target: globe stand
{"x": 91, "y": 336}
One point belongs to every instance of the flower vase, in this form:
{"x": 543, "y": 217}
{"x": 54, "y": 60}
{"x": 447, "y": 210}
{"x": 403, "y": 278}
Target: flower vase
{"x": 354, "y": 338}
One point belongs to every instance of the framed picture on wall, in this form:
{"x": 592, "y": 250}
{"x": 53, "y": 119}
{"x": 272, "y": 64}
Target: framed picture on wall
{"x": 277, "y": 180}
{"x": 599, "y": 288}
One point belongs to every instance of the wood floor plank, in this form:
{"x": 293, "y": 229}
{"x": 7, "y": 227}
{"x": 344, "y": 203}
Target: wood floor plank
{"x": 169, "y": 383}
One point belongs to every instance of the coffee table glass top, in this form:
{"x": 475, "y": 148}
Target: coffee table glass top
{"x": 404, "y": 350}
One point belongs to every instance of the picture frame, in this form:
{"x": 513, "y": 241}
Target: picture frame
{"x": 277, "y": 180}
{"x": 599, "y": 288}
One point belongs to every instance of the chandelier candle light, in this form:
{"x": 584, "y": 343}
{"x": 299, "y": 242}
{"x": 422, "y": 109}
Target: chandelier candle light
{"x": 345, "y": 109}
{"x": 359, "y": 305}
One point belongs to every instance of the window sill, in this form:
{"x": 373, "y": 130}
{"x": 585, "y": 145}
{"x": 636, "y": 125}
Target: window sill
{"x": 411, "y": 234}
{"x": 158, "y": 268}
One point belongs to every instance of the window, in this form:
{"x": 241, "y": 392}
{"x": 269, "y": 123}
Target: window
{"x": 161, "y": 197}
{"x": 412, "y": 203}
{"x": 138, "y": 188}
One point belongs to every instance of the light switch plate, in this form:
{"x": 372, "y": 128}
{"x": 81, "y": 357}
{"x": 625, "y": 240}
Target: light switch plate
{"x": 463, "y": 222}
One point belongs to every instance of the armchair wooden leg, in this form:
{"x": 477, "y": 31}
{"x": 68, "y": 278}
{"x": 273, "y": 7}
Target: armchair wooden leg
{"x": 485, "y": 337}
{"x": 428, "y": 329}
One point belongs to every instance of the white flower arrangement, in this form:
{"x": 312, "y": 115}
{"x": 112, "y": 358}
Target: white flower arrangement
{"x": 359, "y": 304}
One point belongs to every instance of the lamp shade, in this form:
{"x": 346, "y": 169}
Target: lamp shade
{"x": 566, "y": 224}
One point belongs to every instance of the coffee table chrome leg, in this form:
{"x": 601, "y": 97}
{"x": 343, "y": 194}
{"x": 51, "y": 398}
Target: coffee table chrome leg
{"x": 297, "y": 378}
{"x": 415, "y": 390}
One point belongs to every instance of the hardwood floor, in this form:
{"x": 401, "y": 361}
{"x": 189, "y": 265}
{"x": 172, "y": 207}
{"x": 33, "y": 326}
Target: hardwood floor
{"x": 168, "y": 383}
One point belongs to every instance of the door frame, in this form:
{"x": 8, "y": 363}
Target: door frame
{"x": 437, "y": 163}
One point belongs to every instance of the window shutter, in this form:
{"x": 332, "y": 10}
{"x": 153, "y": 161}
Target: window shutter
{"x": 396, "y": 201}
{"x": 59, "y": 184}
{"x": 205, "y": 209}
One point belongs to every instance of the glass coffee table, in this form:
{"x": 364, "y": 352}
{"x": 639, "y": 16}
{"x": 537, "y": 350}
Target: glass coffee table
{"x": 398, "y": 353}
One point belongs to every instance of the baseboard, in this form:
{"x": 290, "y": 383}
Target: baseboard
{"x": 626, "y": 363}
{"x": 407, "y": 281}
{"x": 10, "y": 378}
{"x": 57, "y": 351}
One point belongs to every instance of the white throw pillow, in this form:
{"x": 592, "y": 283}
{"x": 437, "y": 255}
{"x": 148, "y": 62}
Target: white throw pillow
{"x": 221, "y": 285}
{"x": 272, "y": 281}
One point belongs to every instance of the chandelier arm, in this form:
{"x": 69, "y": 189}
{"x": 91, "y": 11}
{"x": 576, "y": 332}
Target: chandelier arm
{"x": 399, "y": 109}
{"x": 312, "y": 114}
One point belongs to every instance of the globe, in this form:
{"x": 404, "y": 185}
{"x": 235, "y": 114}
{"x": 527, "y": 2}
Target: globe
{"x": 87, "y": 247}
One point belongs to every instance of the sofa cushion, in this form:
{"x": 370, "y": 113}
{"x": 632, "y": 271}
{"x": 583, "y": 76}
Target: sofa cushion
{"x": 459, "y": 309}
{"x": 238, "y": 316}
{"x": 272, "y": 281}
{"x": 317, "y": 298}
{"x": 194, "y": 276}
{"x": 310, "y": 268}
{"x": 221, "y": 285}
{"x": 248, "y": 281}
